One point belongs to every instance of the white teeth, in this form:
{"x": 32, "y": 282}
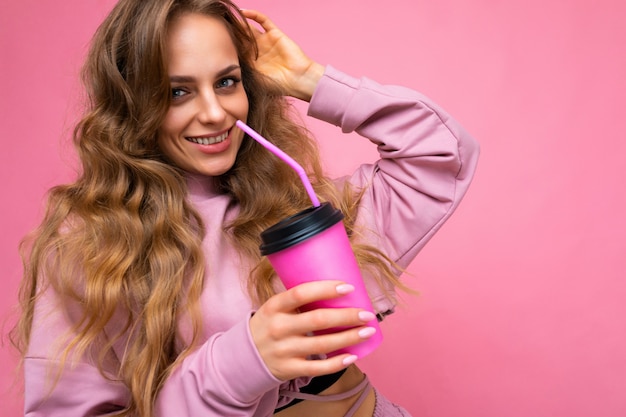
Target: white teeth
{"x": 209, "y": 141}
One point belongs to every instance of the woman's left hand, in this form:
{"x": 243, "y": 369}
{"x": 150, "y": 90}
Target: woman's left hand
{"x": 281, "y": 59}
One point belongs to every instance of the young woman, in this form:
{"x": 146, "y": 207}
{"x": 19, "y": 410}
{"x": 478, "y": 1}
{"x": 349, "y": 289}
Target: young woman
{"x": 144, "y": 292}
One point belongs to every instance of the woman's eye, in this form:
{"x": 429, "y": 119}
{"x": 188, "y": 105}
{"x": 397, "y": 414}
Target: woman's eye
{"x": 227, "y": 82}
{"x": 178, "y": 93}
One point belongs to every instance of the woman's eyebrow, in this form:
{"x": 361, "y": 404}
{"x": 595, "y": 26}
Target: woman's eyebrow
{"x": 228, "y": 69}
{"x": 188, "y": 79}
{"x": 181, "y": 79}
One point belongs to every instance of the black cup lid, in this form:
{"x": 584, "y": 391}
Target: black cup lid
{"x": 299, "y": 227}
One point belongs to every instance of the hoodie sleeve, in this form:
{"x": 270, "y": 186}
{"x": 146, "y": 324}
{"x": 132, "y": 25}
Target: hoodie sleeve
{"x": 214, "y": 380}
{"x": 427, "y": 161}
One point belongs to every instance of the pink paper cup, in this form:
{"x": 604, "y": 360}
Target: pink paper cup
{"x": 313, "y": 245}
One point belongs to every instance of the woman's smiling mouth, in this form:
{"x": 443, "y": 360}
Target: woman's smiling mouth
{"x": 208, "y": 140}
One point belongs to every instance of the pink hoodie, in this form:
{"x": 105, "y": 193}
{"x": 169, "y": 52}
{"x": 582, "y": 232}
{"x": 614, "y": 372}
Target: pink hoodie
{"x": 426, "y": 164}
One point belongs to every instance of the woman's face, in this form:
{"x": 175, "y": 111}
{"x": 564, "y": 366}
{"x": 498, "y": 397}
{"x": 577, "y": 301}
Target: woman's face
{"x": 199, "y": 133}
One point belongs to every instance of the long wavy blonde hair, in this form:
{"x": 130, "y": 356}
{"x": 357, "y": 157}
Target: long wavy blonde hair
{"x": 123, "y": 240}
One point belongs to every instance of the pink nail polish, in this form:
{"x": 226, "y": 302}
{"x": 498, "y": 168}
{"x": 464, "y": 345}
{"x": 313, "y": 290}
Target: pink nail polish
{"x": 366, "y": 316}
{"x": 345, "y": 289}
{"x": 367, "y": 332}
{"x": 350, "y": 360}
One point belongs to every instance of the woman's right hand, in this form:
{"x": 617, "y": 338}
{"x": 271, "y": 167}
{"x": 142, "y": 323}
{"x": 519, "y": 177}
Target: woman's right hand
{"x": 282, "y": 334}
{"x": 281, "y": 59}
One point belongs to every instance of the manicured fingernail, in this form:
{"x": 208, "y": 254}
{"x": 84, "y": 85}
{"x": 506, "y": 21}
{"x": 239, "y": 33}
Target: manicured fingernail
{"x": 350, "y": 360}
{"x": 366, "y": 316}
{"x": 345, "y": 288}
{"x": 367, "y": 332}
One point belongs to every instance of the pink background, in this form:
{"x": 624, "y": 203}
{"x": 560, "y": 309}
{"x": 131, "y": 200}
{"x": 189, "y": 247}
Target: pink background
{"x": 523, "y": 296}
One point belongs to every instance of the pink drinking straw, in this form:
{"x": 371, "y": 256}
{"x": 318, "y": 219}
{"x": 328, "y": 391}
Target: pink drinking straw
{"x": 282, "y": 155}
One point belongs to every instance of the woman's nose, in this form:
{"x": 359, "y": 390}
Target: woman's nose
{"x": 210, "y": 109}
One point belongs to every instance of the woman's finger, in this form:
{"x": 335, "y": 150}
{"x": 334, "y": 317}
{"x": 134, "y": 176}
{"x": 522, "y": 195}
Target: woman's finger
{"x": 331, "y": 342}
{"x": 331, "y": 318}
{"x": 318, "y": 320}
{"x": 307, "y": 293}
{"x": 260, "y": 18}
{"x": 325, "y": 366}
{"x": 291, "y": 359}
